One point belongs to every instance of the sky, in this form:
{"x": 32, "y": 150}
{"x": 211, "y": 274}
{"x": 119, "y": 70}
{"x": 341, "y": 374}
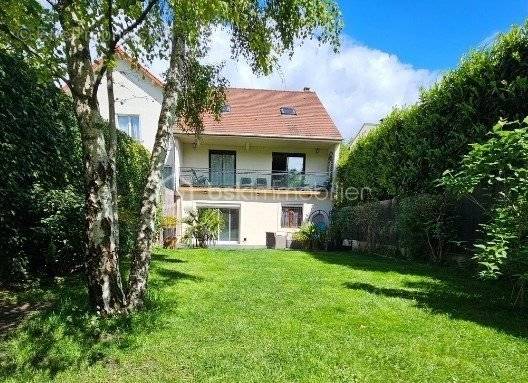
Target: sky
{"x": 390, "y": 49}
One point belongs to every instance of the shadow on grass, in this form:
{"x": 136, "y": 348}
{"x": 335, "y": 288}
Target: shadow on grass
{"x": 68, "y": 335}
{"x": 166, "y": 258}
{"x": 457, "y": 303}
{"x": 454, "y": 292}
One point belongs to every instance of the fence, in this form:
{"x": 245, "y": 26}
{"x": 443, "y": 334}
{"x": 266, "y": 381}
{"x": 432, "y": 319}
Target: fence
{"x": 424, "y": 226}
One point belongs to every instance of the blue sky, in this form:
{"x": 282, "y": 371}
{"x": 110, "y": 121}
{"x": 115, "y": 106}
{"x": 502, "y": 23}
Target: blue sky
{"x": 429, "y": 34}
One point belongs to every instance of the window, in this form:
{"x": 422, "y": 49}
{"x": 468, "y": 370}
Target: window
{"x": 229, "y": 230}
{"x": 222, "y": 167}
{"x": 287, "y": 170}
{"x": 129, "y": 123}
{"x": 292, "y": 216}
{"x": 288, "y": 111}
{"x": 168, "y": 177}
{"x": 288, "y": 162}
{"x": 226, "y": 108}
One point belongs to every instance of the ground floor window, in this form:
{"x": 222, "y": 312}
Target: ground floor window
{"x": 292, "y": 216}
{"x": 229, "y": 231}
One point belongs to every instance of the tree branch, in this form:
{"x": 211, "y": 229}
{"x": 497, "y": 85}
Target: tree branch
{"x": 134, "y": 25}
{"x": 4, "y": 28}
{"x": 113, "y": 43}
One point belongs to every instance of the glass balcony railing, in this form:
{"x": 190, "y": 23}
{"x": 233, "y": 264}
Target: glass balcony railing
{"x": 257, "y": 179}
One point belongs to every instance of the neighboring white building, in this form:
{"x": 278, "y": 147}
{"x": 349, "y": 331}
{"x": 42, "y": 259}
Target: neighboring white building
{"x": 366, "y": 128}
{"x": 268, "y": 164}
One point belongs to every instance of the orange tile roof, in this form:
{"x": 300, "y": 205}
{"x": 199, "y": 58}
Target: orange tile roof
{"x": 256, "y": 112}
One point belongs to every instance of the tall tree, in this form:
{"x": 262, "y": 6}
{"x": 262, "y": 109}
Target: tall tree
{"x": 261, "y": 32}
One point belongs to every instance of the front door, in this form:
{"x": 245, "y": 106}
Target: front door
{"x": 222, "y": 168}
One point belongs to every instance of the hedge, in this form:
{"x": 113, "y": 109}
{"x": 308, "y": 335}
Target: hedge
{"x": 41, "y": 195}
{"x": 413, "y": 146}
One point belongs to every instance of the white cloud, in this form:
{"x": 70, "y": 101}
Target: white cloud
{"x": 359, "y": 84}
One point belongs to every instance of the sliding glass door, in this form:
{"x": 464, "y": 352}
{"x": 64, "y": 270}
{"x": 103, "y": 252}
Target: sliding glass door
{"x": 229, "y": 232}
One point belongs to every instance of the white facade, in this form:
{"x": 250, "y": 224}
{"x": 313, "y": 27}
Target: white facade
{"x": 258, "y": 208}
{"x": 134, "y": 96}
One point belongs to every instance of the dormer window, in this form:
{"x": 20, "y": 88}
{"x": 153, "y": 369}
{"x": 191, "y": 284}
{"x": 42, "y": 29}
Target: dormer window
{"x": 288, "y": 111}
{"x": 226, "y": 108}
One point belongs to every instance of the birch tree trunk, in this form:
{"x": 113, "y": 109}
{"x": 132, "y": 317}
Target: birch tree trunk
{"x": 104, "y": 280}
{"x": 112, "y": 144}
{"x": 112, "y": 152}
{"x": 141, "y": 262}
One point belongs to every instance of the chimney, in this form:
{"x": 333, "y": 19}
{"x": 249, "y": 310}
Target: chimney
{"x": 306, "y": 89}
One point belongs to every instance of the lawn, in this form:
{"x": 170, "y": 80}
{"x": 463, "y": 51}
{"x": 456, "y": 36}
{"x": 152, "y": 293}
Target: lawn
{"x": 256, "y": 316}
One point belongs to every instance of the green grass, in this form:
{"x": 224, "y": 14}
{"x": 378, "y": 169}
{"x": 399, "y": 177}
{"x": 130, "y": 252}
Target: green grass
{"x": 256, "y": 316}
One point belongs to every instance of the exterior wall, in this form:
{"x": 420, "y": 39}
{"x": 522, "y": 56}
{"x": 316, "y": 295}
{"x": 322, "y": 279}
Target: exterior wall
{"x": 258, "y": 214}
{"x": 255, "y": 157}
{"x": 134, "y": 95}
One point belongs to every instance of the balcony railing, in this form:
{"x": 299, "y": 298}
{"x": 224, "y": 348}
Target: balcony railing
{"x": 257, "y": 179}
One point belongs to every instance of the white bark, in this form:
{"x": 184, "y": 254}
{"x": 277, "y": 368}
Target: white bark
{"x": 104, "y": 280}
{"x": 141, "y": 262}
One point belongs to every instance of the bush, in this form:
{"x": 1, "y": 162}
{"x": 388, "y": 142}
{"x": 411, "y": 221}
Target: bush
{"x": 311, "y": 237}
{"x": 498, "y": 169}
{"x": 42, "y": 192}
{"x": 40, "y": 153}
{"x": 412, "y": 147}
{"x": 202, "y": 227}
{"x": 424, "y": 226}
{"x": 370, "y": 223}
{"x": 132, "y": 170}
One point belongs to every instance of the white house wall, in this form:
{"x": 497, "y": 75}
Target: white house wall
{"x": 134, "y": 95}
{"x": 258, "y": 214}
{"x": 255, "y": 157}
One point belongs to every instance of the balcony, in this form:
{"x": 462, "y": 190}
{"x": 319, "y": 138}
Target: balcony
{"x": 254, "y": 179}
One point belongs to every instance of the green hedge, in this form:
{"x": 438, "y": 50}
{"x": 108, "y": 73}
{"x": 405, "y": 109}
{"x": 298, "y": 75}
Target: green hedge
{"x": 413, "y": 146}
{"x": 41, "y": 195}
{"x": 425, "y": 227}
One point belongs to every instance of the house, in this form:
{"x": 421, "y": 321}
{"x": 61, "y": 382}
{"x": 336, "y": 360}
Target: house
{"x": 267, "y": 164}
{"x": 366, "y": 128}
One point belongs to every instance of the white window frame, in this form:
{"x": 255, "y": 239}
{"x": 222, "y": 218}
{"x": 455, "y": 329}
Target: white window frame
{"x": 129, "y": 130}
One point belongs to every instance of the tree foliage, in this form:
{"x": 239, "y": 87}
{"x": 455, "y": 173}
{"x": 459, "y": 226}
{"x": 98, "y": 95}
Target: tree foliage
{"x": 413, "y": 146}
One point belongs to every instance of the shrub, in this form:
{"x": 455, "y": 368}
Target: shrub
{"x": 424, "y": 226}
{"x": 40, "y": 153}
{"x": 132, "y": 170}
{"x": 42, "y": 192}
{"x": 498, "y": 168}
{"x": 413, "y": 146}
{"x": 311, "y": 237}
{"x": 202, "y": 227}
{"x": 371, "y": 223}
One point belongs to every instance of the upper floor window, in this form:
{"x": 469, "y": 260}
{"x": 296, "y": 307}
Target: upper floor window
{"x": 288, "y": 162}
{"x": 129, "y": 123}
